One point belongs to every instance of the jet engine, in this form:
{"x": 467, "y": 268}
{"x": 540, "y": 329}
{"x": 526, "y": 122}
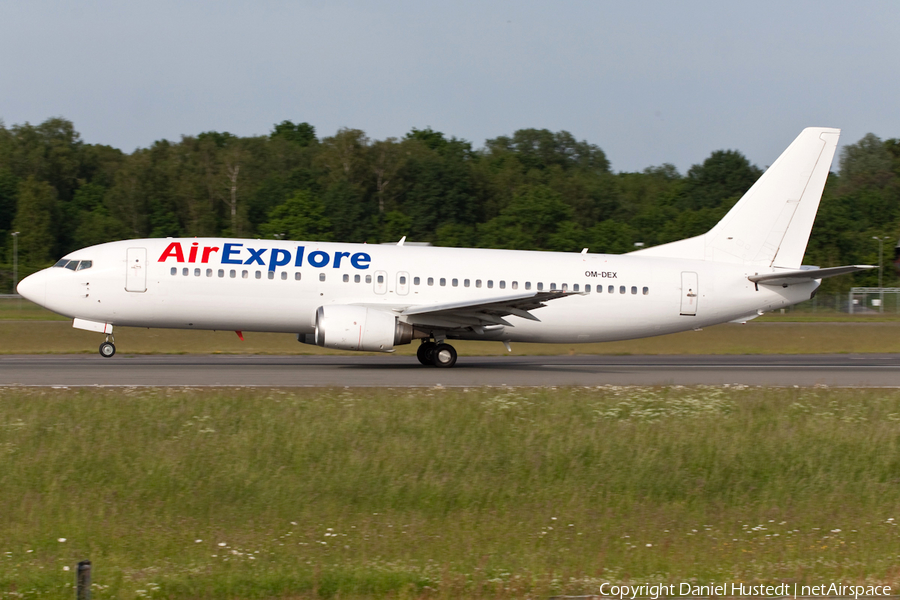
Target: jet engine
{"x": 346, "y": 327}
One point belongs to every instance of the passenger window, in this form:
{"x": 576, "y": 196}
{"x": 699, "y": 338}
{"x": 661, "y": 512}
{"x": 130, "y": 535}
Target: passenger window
{"x": 321, "y": 276}
{"x": 271, "y": 274}
{"x": 368, "y": 279}
{"x": 646, "y": 290}
{"x": 565, "y": 287}
{"x": 346, "y": 278}
{"x": 356, "y": 279}
{"x": 297, "y": 276}
{"x": 621, "y": 289}
{"x": 552, "y": 287}
{"x": 455, "y": 282}
{"x": 502, "y": 285}
{"x": 196, "y": 272}
{"x": 185, "y": 271}
{"x": 85, "y": 264}
{"x": 381, "y": 279}
{"x": 527, "y": 285}
{"x": 465, "y": 283}
{"x": 209, "y": 272}
{"x": 587, "y": 288}
{"x": 402, "y": 280}
{"x": 284, "y": 275}
{"x": 258, "y": 275}
{"x": 611, "y": 289}
{"x": 540, "y": 286}
{"x": 515, "y": 285}
{"x": 416, "y": 281}
{"x": 634, "y": 289}
{"x": 232, "y": 273}
{"x": 574, "y": 287}
{"x": 431, "y": 281}
{"x": 245, "y": 274}
{"x": 490, "y": 283}
{"x": 443, "y": 282}
{"x": 478, "y": 283}
{"x": 174, "y": 271}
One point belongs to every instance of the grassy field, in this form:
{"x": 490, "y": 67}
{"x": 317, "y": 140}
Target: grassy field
{"x": 40, "y": 337}
{"x": 26, "y": 328}
{"x": 489, "y": 493}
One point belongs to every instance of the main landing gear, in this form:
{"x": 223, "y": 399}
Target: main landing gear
{"x": 108, "y": 348}
{"x": 437, "y": 354}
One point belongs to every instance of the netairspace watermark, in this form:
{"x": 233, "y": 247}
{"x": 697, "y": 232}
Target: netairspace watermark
{"x": 736, "y": 590}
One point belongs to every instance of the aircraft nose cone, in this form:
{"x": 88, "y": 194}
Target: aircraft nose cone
{"x": 34, "y": 288}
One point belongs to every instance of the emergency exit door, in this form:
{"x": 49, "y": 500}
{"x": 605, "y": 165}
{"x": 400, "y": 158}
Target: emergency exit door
{"x": 690, "y": 293}
{"x": 136, "y": 270}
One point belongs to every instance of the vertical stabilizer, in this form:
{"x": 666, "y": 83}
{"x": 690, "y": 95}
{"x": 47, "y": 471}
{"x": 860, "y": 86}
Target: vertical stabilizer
{"x": 771, "y": 223}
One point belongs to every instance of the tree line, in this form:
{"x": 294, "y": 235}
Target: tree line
{"x": 535, "y": 189}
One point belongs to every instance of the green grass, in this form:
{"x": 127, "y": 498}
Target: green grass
{"x": 19, "y": 309}
{"x": 488, "y": 493}
{"x": 26, "y": 328}
{"x": 41, "y": 337}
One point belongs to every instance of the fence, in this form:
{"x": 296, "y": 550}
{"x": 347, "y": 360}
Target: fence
{"x": 872, "y": 300}
{"x": 859, "y": 301}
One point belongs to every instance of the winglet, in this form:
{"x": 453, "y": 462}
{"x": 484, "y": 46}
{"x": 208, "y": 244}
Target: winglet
{"x": 403, "y": 239}
{"x": 240, "y": 335}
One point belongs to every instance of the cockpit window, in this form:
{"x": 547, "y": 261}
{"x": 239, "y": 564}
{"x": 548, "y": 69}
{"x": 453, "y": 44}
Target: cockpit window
{"x": 74, "y": 265}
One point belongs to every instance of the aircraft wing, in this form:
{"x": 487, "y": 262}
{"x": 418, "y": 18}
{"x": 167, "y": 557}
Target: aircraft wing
{"x": 481, "y": 312}
{"x": 804, "y": 275}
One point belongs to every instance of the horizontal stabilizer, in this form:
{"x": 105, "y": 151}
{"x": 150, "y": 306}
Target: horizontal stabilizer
{"x": 804, "y": 275}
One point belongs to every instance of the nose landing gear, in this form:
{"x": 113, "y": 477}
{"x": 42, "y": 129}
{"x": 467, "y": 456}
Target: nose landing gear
{"x": 108, "y": 348}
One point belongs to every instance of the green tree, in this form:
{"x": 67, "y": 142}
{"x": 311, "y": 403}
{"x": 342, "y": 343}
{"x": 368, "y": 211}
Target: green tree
{"x": 36, "y": 219}
{"x": 302, "y": 134}
{"x": 867, "y": 162}
{"x": 537, "y": 219}
{"x": 301, "y": 217}
{"x": 721, "y": 180}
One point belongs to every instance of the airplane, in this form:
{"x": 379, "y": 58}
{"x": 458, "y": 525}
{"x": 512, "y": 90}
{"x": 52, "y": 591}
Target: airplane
{"x": 376, "y": 297}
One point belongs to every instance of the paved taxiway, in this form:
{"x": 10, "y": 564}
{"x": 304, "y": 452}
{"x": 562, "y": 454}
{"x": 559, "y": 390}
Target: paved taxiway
{"x": 876, "y": 370}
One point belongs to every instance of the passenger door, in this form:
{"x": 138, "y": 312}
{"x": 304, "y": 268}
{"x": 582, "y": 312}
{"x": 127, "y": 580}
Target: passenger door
{"x": 402, "y": 283}
{"x": 690, "y": 293}
{"x": 136, "y": 270}
{"x": 380, "y": 282}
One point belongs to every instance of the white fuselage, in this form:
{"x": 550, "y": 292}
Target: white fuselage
{"x": 262, "y": 285}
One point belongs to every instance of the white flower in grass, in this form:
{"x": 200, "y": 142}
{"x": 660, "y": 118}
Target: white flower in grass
{"x": 65, "y": 568}
{"x": 197, "y": 541}
{"x": 223, "y": 544}
{"x": 649, "y": 545}
{"x": 61, "y": 540}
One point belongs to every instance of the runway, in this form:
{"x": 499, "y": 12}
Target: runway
{"x": 847, "y": 370}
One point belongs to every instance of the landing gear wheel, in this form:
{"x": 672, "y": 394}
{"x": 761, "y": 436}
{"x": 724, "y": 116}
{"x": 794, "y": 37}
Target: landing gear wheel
{"x": 425, "y": 353}
{"x": 107, "y": 349}
{"x": 444, "y": 355}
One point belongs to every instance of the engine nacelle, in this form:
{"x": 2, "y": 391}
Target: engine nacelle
{"x": 346, "y": 327}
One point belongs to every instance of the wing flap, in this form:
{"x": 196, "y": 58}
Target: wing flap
{"x": 483, "y": 311}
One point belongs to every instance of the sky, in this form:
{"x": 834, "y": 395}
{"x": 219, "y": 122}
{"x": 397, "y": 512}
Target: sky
{"x": 648, "y": 82}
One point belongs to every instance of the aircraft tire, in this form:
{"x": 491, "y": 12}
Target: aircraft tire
{"x": 444, "y": 356}
{"x": 107, "y": 349}
{"x": 425, "y": 353}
